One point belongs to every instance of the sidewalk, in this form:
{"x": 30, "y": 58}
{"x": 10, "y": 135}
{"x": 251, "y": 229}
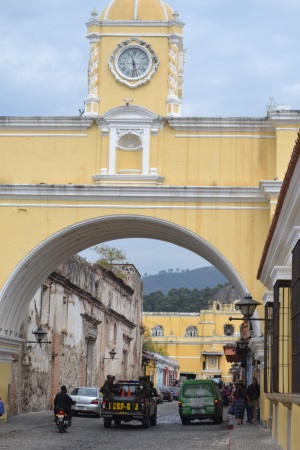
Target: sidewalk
{"x": 251, "y": 437}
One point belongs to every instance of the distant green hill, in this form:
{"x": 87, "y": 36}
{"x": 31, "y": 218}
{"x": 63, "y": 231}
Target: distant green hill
{"x": 200, "y": 278}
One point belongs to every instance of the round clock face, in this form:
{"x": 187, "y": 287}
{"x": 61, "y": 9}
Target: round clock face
{"x": 133, "y": 62}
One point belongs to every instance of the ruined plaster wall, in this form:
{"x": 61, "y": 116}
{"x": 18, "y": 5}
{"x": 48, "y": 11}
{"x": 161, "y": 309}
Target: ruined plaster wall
{"x": 85, "y": 310}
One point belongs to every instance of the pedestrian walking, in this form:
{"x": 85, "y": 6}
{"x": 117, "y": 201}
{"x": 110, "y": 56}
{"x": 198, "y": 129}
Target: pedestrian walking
{"x": 239, "y": 404}
{"x": 252, "y": 396}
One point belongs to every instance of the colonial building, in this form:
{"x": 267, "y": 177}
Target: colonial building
{"x": 196, "y": 340}
{"x": 279, "y": 271}
{"x": 87, "y": 311}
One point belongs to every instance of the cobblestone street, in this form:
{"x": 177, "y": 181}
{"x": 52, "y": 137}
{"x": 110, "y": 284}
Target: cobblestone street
{"x": 37, "y": 431}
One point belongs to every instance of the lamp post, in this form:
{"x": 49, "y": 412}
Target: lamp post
{"x": 39, "y": 335}
{"x": 112, "y": 355}
{"x": 247, "y": 306}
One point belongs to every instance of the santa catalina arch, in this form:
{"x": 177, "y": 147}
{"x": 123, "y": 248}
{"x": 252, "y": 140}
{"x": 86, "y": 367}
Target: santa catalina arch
{"x": 131, "y": 166}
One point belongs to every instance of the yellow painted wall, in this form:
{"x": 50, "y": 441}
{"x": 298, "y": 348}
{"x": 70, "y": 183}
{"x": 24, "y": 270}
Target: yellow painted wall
{"x": 295, "y": 437}
{"x": 282, "y": 426}
{"x": 4, "y": 383}
{"x": 188, "y": 350}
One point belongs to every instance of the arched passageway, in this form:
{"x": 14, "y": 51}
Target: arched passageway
{"x": 42, "y": 260}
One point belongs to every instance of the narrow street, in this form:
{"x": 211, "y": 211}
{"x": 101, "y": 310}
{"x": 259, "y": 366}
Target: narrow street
{"x": 37, "y": 431}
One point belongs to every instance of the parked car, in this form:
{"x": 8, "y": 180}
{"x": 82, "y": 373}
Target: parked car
{"x": 159, "y": 397}
{"x": 167, "y": 394}
{"x": 200, "y": 399}
{"x": 88, "y": 401}
{"x": 175, "y": 392}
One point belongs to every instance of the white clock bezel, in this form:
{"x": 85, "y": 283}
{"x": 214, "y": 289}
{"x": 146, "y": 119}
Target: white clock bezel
{"x": 136, "y": 81}
{"x": 131, "y": 47}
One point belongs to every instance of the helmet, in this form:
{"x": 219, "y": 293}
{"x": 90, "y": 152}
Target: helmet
{"x": 63, "y": 388}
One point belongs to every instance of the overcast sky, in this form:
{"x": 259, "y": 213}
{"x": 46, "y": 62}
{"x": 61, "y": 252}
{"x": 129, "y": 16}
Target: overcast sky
{"x": 239, "y": 55}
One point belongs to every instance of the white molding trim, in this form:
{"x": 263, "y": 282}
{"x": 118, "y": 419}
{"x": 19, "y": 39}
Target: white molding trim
{"x": 271, "y": 188}
{"x": 223, "y": 136}
{"x": 48, "y": 135}
{"x": 256, "y": 345}
{"x": 294, "y": 237}
{"x": 8, "y": 346}
{"x": 268, "y": 297}
{"x": 279, "y": 251}
{"x": 178, "y": 194}
{"x": 258, "y": 124}
{"x": 281, "y": 273}
{"x": 45, "y": 123}
{"x": 134, "y": 178}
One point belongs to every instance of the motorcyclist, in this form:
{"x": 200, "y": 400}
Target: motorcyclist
{"x": 63, "y": 401}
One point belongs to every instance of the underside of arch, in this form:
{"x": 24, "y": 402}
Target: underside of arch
{"x": 32, "y": 271}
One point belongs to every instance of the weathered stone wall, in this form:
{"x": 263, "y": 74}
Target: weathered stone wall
{"x": 87, "y": 311}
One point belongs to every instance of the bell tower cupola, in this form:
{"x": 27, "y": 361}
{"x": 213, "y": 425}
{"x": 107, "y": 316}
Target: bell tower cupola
{"x": 136, "y": 52}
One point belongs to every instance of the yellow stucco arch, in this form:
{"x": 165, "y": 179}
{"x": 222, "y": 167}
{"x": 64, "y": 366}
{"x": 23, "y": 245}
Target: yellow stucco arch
{"x": 34, "y": 268}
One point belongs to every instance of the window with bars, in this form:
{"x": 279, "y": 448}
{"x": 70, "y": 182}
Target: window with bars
{"x": 296, "y": 319}
{"x": 281, "y": 349}
{"x": 268, "y": 339}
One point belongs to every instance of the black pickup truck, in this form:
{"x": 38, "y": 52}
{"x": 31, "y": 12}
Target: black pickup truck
{"x": 127, "y": 406}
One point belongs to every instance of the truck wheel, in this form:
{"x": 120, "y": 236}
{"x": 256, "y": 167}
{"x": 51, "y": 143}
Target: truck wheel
{"x": 107, "y": 423}
{"x": 117, "y": 422}
{"x": 185, "y": 421}
{"x": 146, "y": 422}
{"x": 153, "y": 419}
{"x": 219, "y": 419}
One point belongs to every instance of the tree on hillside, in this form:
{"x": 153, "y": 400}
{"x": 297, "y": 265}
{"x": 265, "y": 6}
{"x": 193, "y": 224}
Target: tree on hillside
{"x": 180, "y": 300}
{"x": 109, "y": 256}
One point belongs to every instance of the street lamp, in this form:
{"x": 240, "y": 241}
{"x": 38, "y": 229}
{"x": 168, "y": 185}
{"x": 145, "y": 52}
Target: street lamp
{"x": 112, "y": 355}
{"x": 247, "y": 306}
{"x": 39, "y": 335}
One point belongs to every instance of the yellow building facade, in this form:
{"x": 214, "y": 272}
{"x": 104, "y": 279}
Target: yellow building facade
{"x": 279, "y": 272}
{"x": 196, "y": 340}
{"x": 131, "y": 166}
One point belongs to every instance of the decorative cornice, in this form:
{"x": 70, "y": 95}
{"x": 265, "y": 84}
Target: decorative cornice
{"x": 284, "y": 116}
{"x": 270, "y": 188}
{"x": 256, "y": 345}
{"x": 45, "y": 123}
{"x": 281, "y": 273}
{"x": 268, "y": 297}
{"x": 131, "y": 23}
{"x": 132, "y": 115}
{"x": 8, "y": 346}
{"x": 294, "y": 237}
{"x": 146, "y": 193}
{"x": 125, "y": 178}
{"x": 221, "y": 123}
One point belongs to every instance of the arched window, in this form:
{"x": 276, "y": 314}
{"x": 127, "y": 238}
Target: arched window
{"x": 158, "y": 330}
{"x": 191, "y": 331}
{"x": 228, "y": 330}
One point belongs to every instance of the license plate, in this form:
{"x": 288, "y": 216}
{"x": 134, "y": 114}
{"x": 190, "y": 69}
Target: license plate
{"x": 82, "y": 408}
{"x": 123, "y": 406}
{"x": 60, "y": 416}
{"x": 199, "y": 411}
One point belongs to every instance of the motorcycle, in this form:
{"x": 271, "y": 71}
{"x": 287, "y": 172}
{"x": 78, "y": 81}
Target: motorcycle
{"x": 62, "y": 420}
